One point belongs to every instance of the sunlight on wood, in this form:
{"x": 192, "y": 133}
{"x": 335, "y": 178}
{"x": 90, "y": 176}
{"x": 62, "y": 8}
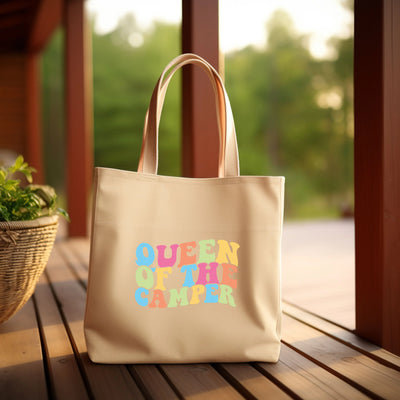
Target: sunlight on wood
{"x": 318, "y": 268}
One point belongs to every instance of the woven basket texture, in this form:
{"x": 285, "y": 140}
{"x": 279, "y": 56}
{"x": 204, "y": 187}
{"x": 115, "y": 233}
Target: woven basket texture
{"x": 25, "y": 247}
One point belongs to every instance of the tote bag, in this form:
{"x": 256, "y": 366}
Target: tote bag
{"x": 185, "y": 270}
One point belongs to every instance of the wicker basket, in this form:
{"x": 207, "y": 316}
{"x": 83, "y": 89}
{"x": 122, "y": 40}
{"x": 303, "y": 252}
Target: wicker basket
{"x": 25, "y": 247}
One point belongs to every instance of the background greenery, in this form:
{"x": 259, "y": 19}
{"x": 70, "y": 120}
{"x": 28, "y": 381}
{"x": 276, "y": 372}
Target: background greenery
{"x": 293, "y": 112}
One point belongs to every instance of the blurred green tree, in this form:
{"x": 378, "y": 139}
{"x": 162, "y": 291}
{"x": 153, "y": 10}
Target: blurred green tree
{"x": 126, "y": 65}
{"x": 293, "y": 113}
{"x": 293, "y": 117}
{"x": 53, "y": 112}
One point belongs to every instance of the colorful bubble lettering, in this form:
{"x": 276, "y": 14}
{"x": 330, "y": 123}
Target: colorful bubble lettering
{"x": 207, "y": 269}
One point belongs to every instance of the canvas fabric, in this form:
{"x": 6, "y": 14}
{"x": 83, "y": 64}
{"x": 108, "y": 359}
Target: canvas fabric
{"x": 185, "y": 270}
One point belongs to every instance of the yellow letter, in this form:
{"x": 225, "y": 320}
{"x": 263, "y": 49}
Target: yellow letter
{"x": 225, "y": 251}
{"x": 161, "y": 274}
{"x": 196, "y": 291}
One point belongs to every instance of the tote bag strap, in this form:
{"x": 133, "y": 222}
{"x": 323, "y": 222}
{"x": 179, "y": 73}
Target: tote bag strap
{"x": 228, "y": 153}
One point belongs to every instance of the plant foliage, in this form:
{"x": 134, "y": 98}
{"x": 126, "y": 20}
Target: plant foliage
{"x": 19, "y": 203}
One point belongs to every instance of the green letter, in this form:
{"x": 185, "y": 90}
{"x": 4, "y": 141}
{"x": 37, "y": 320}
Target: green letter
{"x": 204, "y": 255}
{"x": 175, "y": 297}
{"x": 144, "y": 281}
{"x": 225, "y": 295}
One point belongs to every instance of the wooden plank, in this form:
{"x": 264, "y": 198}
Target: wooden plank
{"x": 306, "y": 380}
{"x": 353, "y": 367}
{"x": 78, "y": 116}
{"x": 81, "y": 248}
{"x": 250, "y": 382}
{"x": 200, "y": 142}
{"x": 196, "y": 381}
{"x": 79, "y": 269}
{"x": 343, "y": 335}
{"x": 377, "y": 171}
{"x": 104, "y": 381}
{"x": 151, "y": 382}
{"x": 148, "y": 377}
{"x": 66, "y": 381}
{"x": 22, "y": 374}
{"x": 305, "y": 277}
{"x": 314, "y": 370}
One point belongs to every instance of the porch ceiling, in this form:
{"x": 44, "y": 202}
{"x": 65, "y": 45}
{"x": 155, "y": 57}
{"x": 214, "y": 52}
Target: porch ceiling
{"x": 16, "y": 21}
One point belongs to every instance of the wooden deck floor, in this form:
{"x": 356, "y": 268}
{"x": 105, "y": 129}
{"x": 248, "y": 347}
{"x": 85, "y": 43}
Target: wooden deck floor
{"x": 43, "y": 355}
{"x": 318, "y": 268}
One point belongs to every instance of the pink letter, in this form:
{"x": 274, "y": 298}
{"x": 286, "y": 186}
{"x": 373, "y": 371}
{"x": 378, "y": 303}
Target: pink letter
{"x": 211, "y": 272}
{"x": 166, "y": 262}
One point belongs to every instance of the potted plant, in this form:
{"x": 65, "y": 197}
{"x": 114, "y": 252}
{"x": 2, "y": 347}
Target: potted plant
{"x": 28, "y": 227}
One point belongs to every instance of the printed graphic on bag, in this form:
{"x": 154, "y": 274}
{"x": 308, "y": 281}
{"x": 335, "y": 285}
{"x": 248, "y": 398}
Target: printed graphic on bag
{"x": 206, "y": 268}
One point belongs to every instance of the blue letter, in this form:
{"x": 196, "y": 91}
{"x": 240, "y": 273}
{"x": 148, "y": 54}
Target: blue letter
{"x": 189, "y": 282}
{"x": 138, "y": 296}
{"x": 141, "y": 258}
{"x": 211, "y": 297}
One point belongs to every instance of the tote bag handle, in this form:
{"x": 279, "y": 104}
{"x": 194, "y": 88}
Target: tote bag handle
{"x": 228, "y": 164}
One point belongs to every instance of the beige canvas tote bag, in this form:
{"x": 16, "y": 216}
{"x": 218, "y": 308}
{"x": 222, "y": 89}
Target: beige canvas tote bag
{"x": 185, "y": 270}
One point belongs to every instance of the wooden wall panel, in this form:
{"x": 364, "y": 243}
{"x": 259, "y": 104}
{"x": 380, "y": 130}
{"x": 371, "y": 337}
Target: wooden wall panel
{"x": 33, "y": 132}
{"x": 12, "y": 102}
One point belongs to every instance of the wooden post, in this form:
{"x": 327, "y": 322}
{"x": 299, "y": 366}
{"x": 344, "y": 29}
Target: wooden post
{"x": 200, "y": 141}
{"x": 78, "y": 116}
{"x": 46, "y": 20}
{"x": 33, "y": 143}
{"x": 377, "y": 171}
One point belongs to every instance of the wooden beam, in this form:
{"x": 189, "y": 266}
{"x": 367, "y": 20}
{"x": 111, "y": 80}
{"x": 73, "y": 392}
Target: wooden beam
{"x": 15, "y": 6}
{"x": 377, "y": 171}
{"x": 200, "y": 141}
{"x": 78, "y": 116}
{"x": 33, "y": 141}
{"x": 12, "y": 21}
{"x": 47, "y": 18}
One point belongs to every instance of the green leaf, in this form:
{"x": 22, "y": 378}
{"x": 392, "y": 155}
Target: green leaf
{"x": 3, "y": 176}
{"x": 46, "y": 193}
{"x": 4, "y": 214}
{"x": 22, "y": 204}
{"x": 11, "y": 184}
{"x": 62, "y": 212}
{"x": 18, "y": 163}
{"x": 28, "y": 175}
{"x": 23, "y": 168}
